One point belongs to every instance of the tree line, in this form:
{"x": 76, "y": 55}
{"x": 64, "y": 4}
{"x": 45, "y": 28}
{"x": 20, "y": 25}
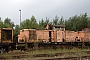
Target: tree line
{"x": 74, "y": 23}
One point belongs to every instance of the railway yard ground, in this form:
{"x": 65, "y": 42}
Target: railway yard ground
{"x": 48, "y": 54}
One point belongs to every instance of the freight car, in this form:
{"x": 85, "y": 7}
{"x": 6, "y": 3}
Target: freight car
{"x": 6, "y": 39}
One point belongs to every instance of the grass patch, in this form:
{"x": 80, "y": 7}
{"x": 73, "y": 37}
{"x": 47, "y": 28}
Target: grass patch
{"x": 48, "y": 52}
{"x": 44, "y": 51}
{"x": 52, "y": 51}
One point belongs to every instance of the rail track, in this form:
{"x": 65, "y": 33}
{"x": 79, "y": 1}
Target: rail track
{"x": 17, "y": 55}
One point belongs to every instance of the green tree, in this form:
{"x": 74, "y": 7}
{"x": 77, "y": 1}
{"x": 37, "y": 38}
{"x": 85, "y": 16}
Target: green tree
{"x": 33, "y": 22}
{"x": 29, "y": 23}
{"x": 16, "y": 30}
{"x": 41, "y": 24}
{"x": 77, "y": 23}
{"x": 55, "y": 21}
{"x": 46, "y": 21}
{"x": 25, "y": 24}
{"x": 1, "y": 23}
{"x": 61, "y": 21}
{"x": 8, "y": 23}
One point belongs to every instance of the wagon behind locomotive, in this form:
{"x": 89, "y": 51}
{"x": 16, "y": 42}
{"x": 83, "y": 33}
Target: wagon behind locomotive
{"x": 6, "y": 39}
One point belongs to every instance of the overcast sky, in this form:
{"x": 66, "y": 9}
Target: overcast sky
{"x": 42, "y": 9}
